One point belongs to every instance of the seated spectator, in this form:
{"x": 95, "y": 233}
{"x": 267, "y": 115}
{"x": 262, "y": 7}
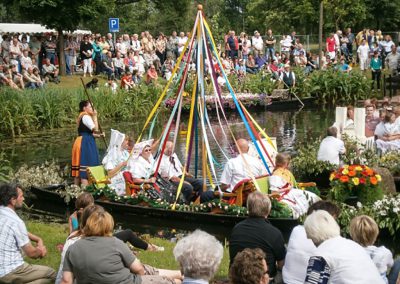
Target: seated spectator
{"x": 152, "y": 59}
{"x": 249, "y": 267}
{"x": 331, "y": 147}
{"x": 140, "y": 63}
{"x": 126, "y": 81}
{"x": 16, "y": 77}
{"x": 119, "y": 65}
{"x": 336, "y": 259}
{"x": 135, "y": 77}
{"x": 16, "y": 240}
{"x": 257, "y": 232}
{"x": 151, "y": 76}
{"x": 283, "y": 182}
{"x": 388, "y": 138}
{"x": 241, "y": 167}
{"x": 274, "y": 70}
{"x": 365, "y": 231}
{"x": 108, "y": 65}
{"x": 5, "y": 79}
{"x": 30, "y": 80}
{"x": 100, "y": 257}
{"x": 37, "y": 77}
{"x": 50, "y": 72}
{"x": 300, "y": 248}
{"x": 167, "y": 68}
{"x": 344, "y": 67}
{"x": 129, "y": 61}
{"x": 112, "y": 85}
{"x": 199, "y": 255}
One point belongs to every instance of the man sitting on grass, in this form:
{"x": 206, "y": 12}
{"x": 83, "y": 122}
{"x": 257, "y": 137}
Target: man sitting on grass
{"x": 15, "y": 238}
{"x": 50, "y": 72}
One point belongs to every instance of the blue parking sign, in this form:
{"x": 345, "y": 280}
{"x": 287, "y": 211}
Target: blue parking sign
{"x": 113, "y": 25}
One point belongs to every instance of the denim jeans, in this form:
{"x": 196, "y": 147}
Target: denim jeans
{"x": 394, "y": 272}
{"x": 270, "y": 51}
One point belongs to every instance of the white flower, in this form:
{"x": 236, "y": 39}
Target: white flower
{"x": 359, "y": 204}
{"x": 383, "y": 213}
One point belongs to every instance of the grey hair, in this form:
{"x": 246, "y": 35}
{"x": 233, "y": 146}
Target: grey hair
{"x": 321, "y": 226}
{"x": 199, "y": 255}
{"x": 258, "y": 204}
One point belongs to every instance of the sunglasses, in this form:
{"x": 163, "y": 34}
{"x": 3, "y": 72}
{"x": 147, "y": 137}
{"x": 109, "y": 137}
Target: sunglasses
{"x": 147, "y": 150}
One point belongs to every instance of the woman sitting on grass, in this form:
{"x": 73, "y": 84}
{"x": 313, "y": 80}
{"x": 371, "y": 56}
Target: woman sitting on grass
{"x": 283, "y": 182}
{"x": 86, "y": 199}
{"x": 98, "y": 257}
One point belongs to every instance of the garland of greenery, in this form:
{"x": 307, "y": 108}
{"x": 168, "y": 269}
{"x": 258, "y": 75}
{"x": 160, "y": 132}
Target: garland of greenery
{"x": 279, "y": 210}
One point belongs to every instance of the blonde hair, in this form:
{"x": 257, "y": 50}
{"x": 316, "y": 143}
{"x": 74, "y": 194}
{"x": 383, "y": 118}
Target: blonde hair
{"x": 364, "y": 230}
{"x": 282, "y": 160}
{"x": 100, "y": 223}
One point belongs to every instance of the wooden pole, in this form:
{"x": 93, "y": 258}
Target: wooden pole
{"x": 321, "y": 25}
{"x": 98, "y": 122}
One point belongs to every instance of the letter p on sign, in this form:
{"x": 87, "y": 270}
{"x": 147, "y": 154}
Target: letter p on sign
{"x": 113, "y": 24}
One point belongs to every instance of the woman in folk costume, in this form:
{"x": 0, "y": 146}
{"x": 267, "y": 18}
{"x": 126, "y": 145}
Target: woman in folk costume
{"x": 116, "y": 159}
{"x": 84, "y": 152}
{"x": 283, "y": 182}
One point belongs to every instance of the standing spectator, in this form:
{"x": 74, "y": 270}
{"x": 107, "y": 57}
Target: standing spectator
{"x": 365, "y": 231}
{"x": 386, "y": 46}
{"x": 270, "y": 46}
{"x": 5, "y": 48}
{"x": 96, "y": 56}
{"x": 331, "y": 47}
{"x": 246, "y": 48}
{"x": 15, "y": 239}
{"x": 161, "y": 45}
{"x": 15, "y": 52}
{"x": 25, "y": 60}
{"x": 182, "y": 39}
{"x": 135, "y": 43}
{"x": 86, "y": 55}
{"x": 336, "y": 259}
{"x": 249, "y": 267}
{"x": 50, "y": 48}
{"x": 286, "y": 43}
{"x": 257, "y": 232}
{"x": 371, "y": 121}
{"x": 351, "y": 38}
{"x": 257, "y": 44}
{"x": 120, "y": 47}
{"x": 111, "y": 43}
{"x": 71, "y": 51}
{"x": 233, "y": 44}
{"x": 199, "y": 255}
{"x": 393, "y": 60}
{"x": 331, "y": 147}
{"x": 376, "y": 68}
{"x": 363, "y": 52}
{"x": 344, "y": 40}
{"x": 173, "y": 45}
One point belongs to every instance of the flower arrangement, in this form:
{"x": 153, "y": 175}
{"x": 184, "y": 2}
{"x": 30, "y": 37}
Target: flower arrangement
{"x": 386, "y": 213}
{"x": 355, "y": 181}
{"x": 279, "y": 210}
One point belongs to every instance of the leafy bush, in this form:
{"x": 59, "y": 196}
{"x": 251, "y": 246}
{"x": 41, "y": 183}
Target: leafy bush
{"x": 391, "y": 161}
{"x": 5, "y": 168}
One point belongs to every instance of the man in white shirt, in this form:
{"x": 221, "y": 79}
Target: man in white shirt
{"x": 331, "y": 147}
{"x": 171, "y": 168}
{"x": 363, "y": 52}
{"x": 14, "y": 238}
{"x": 258, "y": 44}
{"x": 242, "y": 167}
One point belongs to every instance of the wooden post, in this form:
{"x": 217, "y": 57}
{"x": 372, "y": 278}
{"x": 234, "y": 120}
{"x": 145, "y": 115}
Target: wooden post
{"x": 321, "y": 25}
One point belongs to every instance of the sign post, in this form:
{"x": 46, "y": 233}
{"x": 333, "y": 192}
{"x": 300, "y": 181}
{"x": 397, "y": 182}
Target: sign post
{"x": 113, "y": 25}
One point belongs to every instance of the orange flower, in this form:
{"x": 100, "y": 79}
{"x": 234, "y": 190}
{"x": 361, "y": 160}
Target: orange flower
{"x": 373, "y": 180}
{"x": 344, "y": 179}
{"x": 351, "y": 168}
{"x": 369, "y": 172}
{"x": 352, "y": 173}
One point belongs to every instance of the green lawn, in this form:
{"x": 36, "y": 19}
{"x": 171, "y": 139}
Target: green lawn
{"x": 54, "y": 234}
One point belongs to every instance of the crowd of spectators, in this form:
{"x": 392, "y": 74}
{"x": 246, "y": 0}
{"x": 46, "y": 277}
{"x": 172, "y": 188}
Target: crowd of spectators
{"x": 32, "y": 61}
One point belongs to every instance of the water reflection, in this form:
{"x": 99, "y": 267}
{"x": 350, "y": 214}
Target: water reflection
{"x": 288, "y": 127}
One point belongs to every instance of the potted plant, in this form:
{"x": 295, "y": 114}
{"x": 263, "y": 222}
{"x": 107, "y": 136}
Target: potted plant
{"x": 353, "y": 183}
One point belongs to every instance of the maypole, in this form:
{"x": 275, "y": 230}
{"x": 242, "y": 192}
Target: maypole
{"x": 200, "y": 48}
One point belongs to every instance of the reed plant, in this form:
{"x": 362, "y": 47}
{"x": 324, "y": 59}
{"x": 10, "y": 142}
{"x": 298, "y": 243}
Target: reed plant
{"x": 21, "y": 112}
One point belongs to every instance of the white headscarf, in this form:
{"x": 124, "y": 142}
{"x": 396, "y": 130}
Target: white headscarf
{"x": 114, "y": 150}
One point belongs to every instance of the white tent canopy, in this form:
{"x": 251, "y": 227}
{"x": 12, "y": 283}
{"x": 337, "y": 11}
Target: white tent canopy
{"x": 31, "y": 28}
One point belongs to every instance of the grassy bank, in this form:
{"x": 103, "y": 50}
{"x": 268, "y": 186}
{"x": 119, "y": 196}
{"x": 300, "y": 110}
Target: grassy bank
{"x": 55, "y": 234}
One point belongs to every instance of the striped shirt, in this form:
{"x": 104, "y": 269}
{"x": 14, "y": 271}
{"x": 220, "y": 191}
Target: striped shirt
{"x": 13, "y": 236}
